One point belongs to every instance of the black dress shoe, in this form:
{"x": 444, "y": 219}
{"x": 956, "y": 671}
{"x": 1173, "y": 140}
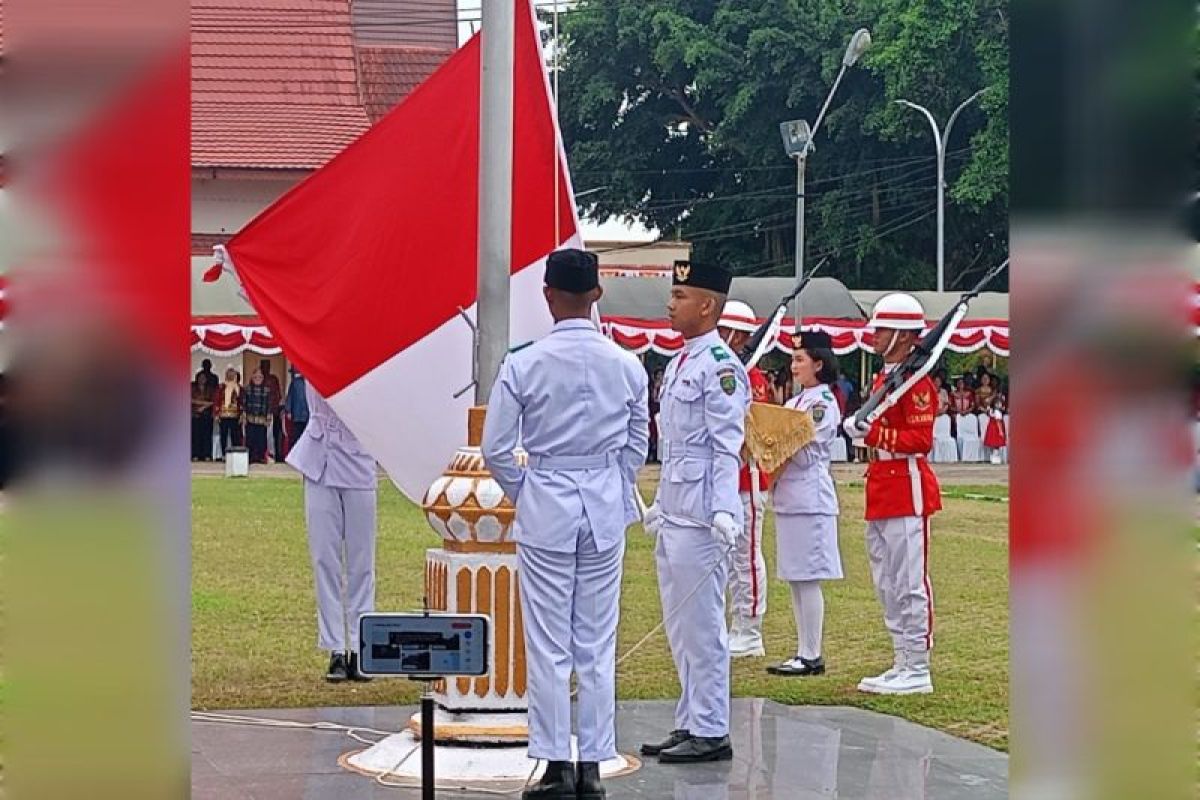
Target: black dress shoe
{"x": 557, "y": 783}
{"x": 338, "y": 670}
{"x": 677, "y": 736}
{"x": 352, "y": 669}
{"x": 697, "y": 749}
{"x": 799, "y": 666}
{"x": 589, "y": 787}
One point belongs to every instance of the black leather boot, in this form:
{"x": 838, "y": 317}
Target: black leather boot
{"x": 677, "y": 737}
{"x": 338, "y": 668}
{"x": 557, "y": 783}
{"x": 589, "y": 787}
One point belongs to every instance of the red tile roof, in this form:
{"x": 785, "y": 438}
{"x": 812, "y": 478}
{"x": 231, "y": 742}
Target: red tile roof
{"x": 274, "y": 85}
{"x": 281, "y": 85}
{"x": 390, "y": 73}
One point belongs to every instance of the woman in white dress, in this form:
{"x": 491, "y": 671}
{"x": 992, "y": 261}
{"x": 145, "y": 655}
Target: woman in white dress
{"x": 806, "y": 507}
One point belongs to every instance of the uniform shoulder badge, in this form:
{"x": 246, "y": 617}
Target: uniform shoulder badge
{"x": 826, "y": 395}
{"x": 728, "y": 379}
{"x": 719, "y": 353}
{"x": 520, "y": 347}
{"x": 818, "y": 412}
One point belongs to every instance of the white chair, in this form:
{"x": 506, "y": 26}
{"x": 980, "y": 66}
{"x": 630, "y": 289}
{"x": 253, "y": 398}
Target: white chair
{"x": 945, "y": 449}
{"x": 837, "y": 450}
{"x": 970, "y": 448}
{"x": 983, "y": 418}
{"x": 1007, "y": 438}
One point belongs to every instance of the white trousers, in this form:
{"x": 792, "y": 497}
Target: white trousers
{"x": 898, "y": 549}
{"x": 748, "y": 575}
{"x": 691, "y": 563}
{"x": 570, "y": 604}
{"x": 341, "y": 537}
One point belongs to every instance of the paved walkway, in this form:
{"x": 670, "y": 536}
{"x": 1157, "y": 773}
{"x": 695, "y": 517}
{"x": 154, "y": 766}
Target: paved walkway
{"x": 779, "y": 752}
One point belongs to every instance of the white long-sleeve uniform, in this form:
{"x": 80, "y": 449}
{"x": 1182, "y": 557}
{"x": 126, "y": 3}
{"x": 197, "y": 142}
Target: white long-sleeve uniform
{"x": 705, "y": 396}
{"x": 805, "y": 502}
{"x": 577, "y": 403}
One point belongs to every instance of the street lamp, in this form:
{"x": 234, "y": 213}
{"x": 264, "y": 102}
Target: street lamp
{"x": 940, "y": 139}
{"x": 798, "y": 143}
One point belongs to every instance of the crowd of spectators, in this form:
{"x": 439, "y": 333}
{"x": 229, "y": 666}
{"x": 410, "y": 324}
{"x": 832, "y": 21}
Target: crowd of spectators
{"x": 256, "y": 415}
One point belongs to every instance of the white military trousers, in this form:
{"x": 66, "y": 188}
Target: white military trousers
{"x": 341, "y": 524}
{"x": 748, "y": 575}
{"x": 898, "y": 549}
{"x": 570, "y": 604}
{"x": 690, "y": 562}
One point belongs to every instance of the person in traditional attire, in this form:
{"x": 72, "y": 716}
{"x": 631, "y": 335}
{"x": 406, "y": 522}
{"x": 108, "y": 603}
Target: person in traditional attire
{"x": 227, "y": 406}
{"x": 256, "y": 406}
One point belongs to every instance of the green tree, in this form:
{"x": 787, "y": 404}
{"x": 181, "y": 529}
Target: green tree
{"x": 674, "y": 106}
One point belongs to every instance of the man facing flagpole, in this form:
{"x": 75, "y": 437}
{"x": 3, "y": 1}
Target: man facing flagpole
{"x": 577, "y": 403}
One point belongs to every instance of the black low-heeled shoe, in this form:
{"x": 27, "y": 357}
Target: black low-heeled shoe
{"x": 799, "y": 666}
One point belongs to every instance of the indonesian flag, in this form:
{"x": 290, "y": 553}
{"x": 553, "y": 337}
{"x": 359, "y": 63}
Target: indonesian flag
{"x": 360, "y": 271}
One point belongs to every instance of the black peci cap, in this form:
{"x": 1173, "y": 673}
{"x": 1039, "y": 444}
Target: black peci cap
{"x": 571, "y": 270}
{"x": 702, "y": 276}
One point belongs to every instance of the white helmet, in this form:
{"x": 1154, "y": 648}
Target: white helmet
{"x": 738, "y": 316}
{"x": 897, "y": 311}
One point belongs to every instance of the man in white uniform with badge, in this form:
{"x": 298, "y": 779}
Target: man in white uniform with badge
{"x": 577, "y": 403}
{"x": 697, "y": 513}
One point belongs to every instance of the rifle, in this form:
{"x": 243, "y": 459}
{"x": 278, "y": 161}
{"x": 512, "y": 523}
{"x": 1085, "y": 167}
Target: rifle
{"x": 760, "y": 341}
{"x": 924, "y": 355}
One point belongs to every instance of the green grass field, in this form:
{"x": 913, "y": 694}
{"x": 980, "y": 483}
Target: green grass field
{"x": 254, "y": 628}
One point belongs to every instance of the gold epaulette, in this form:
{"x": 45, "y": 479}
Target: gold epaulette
{"x": 774, "y": 434}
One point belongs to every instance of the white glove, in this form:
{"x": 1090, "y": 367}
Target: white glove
{"x": 725, "y": 530}
{"x": 653, "y": 520}
{"x": 854, "y": 429}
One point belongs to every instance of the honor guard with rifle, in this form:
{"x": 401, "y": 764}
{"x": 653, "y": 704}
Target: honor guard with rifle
{"x": 902, "y": 493}
{"x": 697, "y": 513}
{"x": 748, "y": 569}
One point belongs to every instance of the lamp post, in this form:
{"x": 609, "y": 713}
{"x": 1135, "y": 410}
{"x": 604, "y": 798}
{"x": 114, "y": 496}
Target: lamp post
{"x": 940, "y": 140}
{"x": 797, "y": 143}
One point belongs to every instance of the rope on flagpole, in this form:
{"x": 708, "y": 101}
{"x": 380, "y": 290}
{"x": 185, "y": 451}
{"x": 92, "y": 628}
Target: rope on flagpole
{"x": 554, "y": 188}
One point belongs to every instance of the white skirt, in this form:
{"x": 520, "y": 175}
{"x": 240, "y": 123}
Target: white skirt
{"x": 806, "y": 547}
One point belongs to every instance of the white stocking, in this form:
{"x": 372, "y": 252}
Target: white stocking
{"x": 808, "y": 605}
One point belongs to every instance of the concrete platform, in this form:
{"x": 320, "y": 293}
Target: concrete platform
{"x": 780, "y": 752}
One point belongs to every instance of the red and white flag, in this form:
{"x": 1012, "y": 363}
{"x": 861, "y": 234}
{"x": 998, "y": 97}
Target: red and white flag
{"x": 360, "y": 271}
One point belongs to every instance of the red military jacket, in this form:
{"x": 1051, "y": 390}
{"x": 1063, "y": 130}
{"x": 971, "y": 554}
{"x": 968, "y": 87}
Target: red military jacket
{"x": 900, "y": 482}
{"x": 760, "y": 392}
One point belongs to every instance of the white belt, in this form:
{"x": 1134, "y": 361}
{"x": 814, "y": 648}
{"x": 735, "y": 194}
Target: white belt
{"x": 673, "y": 451}
{"x": 573, "y": 463}
{"x": 884, "y": 455}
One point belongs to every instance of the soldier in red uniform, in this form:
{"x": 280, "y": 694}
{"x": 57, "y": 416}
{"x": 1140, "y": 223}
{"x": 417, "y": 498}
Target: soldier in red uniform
{"x": 902, "y": 493}
{"x": 748, "y": 573}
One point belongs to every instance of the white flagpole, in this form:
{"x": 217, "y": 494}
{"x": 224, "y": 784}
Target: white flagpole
{"x": 495, "y": 190}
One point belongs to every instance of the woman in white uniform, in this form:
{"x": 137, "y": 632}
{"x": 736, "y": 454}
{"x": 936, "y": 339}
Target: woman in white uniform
{"x": 806, "y": 506}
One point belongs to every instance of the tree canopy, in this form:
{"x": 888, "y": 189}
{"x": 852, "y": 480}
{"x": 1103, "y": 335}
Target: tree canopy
{"x": 674, "y": 106}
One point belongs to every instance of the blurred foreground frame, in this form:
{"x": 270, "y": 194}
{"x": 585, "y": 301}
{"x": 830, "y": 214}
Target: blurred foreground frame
{"x": 94, "y": 516}
{"x": 1104, "y": 348}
